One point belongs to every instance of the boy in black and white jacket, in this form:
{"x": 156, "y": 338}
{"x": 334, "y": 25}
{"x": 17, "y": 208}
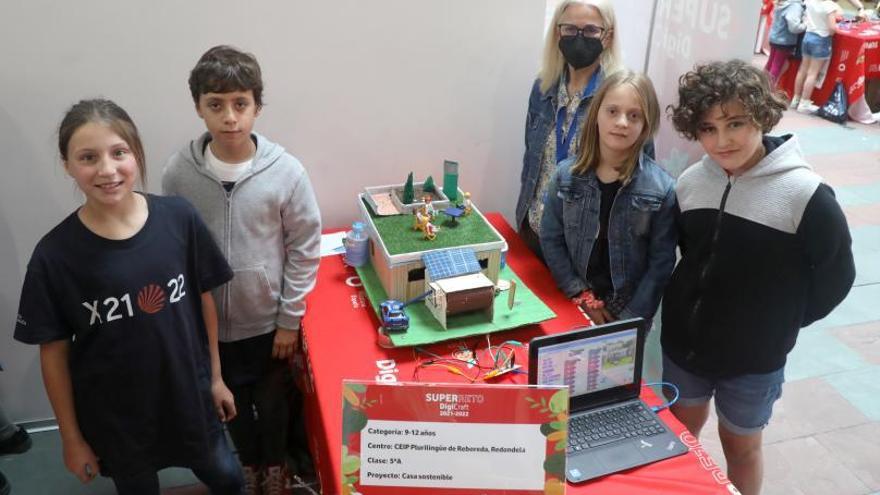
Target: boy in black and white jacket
{"x": 765, "y": 252}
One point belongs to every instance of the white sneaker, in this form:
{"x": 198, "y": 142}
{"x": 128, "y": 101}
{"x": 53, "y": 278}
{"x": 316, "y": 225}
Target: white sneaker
{"x": 806, "y": 106}
{"x": 794, "y": 103}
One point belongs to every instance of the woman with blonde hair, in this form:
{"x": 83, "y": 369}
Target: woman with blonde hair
{"x": 579, "y": 52}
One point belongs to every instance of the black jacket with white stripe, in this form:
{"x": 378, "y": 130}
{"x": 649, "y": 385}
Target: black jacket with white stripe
{"x": 763, "y": 255}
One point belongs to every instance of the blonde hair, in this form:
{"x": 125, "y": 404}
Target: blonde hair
{"x": 589, "y": 154}
{"x": 553, "y": 63}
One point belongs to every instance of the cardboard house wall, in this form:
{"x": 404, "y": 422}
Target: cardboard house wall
{"x": 404, "y": 281}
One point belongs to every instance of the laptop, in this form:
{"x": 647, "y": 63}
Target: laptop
{"x": 609, "y": 428}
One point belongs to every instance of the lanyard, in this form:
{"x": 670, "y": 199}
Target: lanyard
{"x": 563, "y": 142}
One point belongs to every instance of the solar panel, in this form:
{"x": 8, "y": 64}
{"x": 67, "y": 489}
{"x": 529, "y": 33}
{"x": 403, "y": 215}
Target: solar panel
{"x": 450, "y": 263}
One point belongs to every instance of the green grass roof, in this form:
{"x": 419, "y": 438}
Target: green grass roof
{"x": 400, "y": 238}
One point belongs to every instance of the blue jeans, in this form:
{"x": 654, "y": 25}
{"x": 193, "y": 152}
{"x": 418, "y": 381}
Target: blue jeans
{"x": 816, "y": 46}
{"x": 744, "y": 403}
{"x": 222, "y": 475}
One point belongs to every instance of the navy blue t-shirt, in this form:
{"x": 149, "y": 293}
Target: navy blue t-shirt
{"x": 132, "y": 308}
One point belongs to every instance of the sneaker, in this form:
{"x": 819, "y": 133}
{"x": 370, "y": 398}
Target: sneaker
{"x": 806, "y": 106}
{"x": 794, "y": 103}
{"x": 5, "y": 489}
{"x": 276, "y": 480}
{"x": 252, "y": 480}
{"x": 19, "y": 442}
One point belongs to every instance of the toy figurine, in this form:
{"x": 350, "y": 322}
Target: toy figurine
{"x": 420, "y": 219}
{"x": 431, "y": 231}
{"x": 467, "y": 206}
{"x": 429, "y": 208}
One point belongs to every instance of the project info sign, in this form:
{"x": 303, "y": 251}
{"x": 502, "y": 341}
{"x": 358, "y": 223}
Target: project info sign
{"x": 415, "y": 439}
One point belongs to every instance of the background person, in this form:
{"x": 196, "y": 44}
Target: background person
{"x": 821, "y": 17}
{"x": 13, "y": 440}
{"x": 788, "y": 23}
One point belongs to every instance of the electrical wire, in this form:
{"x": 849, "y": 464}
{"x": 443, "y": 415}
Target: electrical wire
{"x": 502, "y": 357}
{"x": 668, "y": 403}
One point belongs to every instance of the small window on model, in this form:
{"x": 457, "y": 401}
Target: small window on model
{"x": 416, "y": 275}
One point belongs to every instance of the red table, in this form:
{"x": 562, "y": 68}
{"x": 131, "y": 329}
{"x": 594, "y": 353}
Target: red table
{"x": 855, "y": 58}
{"x": 339, "y": 341}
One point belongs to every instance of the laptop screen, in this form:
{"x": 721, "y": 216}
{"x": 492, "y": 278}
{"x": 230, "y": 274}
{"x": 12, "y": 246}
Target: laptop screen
{"x": 590, "y": 364}
{"x": 599, "y": 364}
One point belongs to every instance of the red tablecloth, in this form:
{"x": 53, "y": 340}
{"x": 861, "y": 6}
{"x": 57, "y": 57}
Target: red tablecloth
{"x": 855, "y": 58}
{"x": 339, "y": 340}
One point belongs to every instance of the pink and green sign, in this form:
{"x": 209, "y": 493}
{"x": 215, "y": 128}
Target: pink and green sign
{"x": 419, "y": 439}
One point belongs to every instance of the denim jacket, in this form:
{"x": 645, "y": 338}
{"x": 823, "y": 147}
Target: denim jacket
{"x": 540, "y": 120}
{"x": 641, "y": 234}
{"x": 788, "y": 22}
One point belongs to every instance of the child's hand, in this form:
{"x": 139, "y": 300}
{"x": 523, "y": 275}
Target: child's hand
{"x": 609, "y": 317}
{"x": 224, "y": 403}
{"x": 597, "y": 316}
{"x": 285, "y": 343}
{"x": 80, "y": 459}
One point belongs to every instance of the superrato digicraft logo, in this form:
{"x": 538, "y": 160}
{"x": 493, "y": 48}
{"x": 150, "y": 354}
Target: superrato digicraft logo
{"x": 151, "y": 299}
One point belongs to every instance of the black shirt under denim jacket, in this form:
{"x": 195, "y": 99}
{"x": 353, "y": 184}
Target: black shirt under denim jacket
{"x": 641, "y": 235}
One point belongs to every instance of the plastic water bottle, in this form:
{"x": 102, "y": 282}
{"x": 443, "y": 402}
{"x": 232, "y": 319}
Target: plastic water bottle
{"x": 356, "y": 245}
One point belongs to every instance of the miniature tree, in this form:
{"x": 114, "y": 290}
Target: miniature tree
{"x": 429, "y": 186}
{"x": 408, "y": 193}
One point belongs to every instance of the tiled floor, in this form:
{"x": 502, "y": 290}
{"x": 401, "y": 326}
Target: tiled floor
{"x": 824, "y": 437}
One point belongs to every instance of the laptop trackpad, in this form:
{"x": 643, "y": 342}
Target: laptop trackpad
{"x": 602, "y": 461}
{"x": 618, "y": 456}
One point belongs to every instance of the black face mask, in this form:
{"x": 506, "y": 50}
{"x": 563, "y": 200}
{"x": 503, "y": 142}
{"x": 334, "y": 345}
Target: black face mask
{"x": 580, "y": 51}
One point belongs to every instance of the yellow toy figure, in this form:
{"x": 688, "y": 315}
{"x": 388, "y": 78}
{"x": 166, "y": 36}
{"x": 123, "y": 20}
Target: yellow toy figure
{"x": 467, "y": 203}
{"x": 420, "y": 219}
{"x": 430, "y": 231}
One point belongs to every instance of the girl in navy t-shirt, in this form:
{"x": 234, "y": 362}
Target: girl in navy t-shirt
{"x": 118, "y": 297}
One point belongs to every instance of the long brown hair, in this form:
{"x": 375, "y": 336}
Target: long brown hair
{"x": 110, "y": 114}
{"x": 589, "y": 155}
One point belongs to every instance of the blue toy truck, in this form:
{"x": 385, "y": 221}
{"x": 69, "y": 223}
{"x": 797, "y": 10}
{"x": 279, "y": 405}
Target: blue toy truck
{"x": 394, "y": 319}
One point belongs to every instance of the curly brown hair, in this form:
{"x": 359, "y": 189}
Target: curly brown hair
{"x": 718, "y": 83}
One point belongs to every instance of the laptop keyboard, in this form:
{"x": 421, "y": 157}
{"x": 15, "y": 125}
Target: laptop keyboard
{"x": 595, "y": 429}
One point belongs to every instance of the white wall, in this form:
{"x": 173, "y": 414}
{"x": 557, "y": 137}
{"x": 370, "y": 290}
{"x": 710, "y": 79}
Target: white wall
{"x": 361, "y": 92}
{"x": 688, "y": 32}
{"x": 633, "y": 28}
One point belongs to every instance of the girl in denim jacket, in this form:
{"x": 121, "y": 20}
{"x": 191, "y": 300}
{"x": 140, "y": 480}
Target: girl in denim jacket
{"x": 608, "y": 230}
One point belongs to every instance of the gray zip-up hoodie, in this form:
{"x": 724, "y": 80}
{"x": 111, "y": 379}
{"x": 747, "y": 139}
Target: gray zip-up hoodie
{"x": 268, "y": 227}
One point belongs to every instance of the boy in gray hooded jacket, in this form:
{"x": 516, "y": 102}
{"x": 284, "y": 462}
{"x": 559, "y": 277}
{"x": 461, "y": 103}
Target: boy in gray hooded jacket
{"x": 259, "y": 205}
